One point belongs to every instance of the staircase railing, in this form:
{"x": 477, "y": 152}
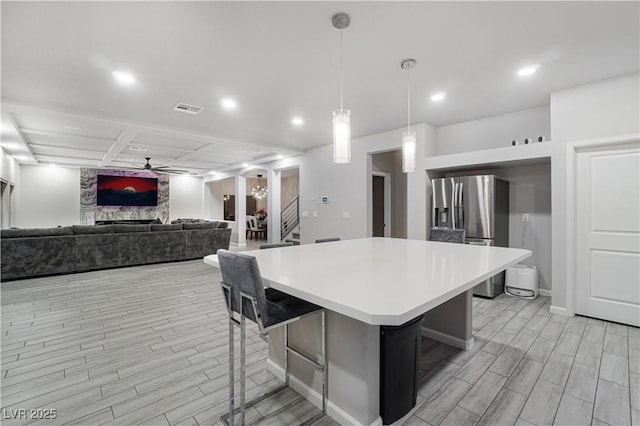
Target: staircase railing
{"x": 290, "y": 217}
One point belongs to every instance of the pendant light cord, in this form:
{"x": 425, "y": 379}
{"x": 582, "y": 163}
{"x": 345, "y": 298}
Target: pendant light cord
{"x": 341, "y": 71}
{"x": 408, "y": 102}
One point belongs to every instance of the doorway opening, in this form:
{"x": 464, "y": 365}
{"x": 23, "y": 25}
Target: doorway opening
{"x": 381, "y": 200}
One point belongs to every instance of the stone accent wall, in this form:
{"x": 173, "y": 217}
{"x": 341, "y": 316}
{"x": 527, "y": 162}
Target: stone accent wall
{"x": 90, "y": 211}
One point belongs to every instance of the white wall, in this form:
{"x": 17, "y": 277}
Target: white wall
{"x": 348, "y": 187}
{"x": 605, "y": 108}
{"x": 214, "y": 193}
{"x": 186, "y": 197}
{"x": 8, "y": 167}
{"x": 289, "y": 189}
{"x": 9, "y": 171}
{"x": 494, "y": 132}
{"x": 47, "y": 197}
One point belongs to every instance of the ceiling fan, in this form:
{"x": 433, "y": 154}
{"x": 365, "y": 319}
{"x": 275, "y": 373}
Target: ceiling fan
{"x": 161, "y": 169}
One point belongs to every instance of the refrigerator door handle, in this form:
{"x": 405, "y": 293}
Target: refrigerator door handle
{"x": 460, "y": 209}
{"x": 454, "y": 206}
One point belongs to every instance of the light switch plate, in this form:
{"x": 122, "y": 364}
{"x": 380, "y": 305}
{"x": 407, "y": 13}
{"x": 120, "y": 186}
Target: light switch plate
{"x": 346, "y": 215}
{"x": 315, "y": 213}
{"x": 305, "y": 213}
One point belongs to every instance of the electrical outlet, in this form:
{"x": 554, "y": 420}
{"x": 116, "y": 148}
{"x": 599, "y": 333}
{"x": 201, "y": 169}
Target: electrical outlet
{"x": 525, "y": 217}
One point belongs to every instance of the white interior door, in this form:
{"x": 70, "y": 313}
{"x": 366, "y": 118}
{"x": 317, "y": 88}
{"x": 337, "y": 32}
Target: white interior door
{"x": 608, "y": 234}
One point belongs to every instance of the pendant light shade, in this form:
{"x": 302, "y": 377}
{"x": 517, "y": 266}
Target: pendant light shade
{"x": 341, "y": 117}
{"x": 409, "y": 151}
{"x": 341, "y": 136}
{"x": 408, "y": 137}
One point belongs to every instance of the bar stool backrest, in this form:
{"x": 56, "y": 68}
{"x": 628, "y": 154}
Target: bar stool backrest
{"x": 327, "y": 240}
{"x": 447, "y": 235}
{"x": 270, "y": 246}
{"x": 241, "y": 273}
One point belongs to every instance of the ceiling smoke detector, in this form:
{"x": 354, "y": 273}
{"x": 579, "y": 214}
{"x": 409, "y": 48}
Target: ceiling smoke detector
{"x": 188, "y": 109}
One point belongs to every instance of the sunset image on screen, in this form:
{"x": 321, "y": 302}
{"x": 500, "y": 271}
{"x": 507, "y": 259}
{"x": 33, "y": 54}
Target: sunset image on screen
{"x": 127, "y": 191}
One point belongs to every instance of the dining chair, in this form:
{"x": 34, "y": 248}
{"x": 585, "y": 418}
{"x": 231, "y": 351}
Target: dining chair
{"x": 327, "y": 240}
{"x": 246, "y": 298}
{"x": 253, "y": 229}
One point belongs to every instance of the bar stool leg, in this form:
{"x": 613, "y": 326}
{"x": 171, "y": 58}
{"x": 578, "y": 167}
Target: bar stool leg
{"x": 231, "y": 378}
{"x": 286, "y": 354}
{"x": 242, "y": 368}
{"x": 325, "y": 376}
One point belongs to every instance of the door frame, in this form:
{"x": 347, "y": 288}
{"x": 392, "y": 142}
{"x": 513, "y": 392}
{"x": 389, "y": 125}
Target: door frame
{"x": 387, "y": 202}
{"x": 573, "y": 149}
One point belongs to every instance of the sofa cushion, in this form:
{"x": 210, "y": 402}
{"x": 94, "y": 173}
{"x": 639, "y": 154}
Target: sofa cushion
{"x": 92, "y": 229}
{"x": 202, "y": 225}
{"x": 122, "y": 229}
{"x": 167, "y": 227}
{"x": 36, "y": 232}
{"x": 128, "y": 249}
{"x": 203, "y": 242}
{"x": 34, "y": 256}
{"x": 220, "y": 224}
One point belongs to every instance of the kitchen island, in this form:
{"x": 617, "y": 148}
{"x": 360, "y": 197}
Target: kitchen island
{"x": 365, "y": 284}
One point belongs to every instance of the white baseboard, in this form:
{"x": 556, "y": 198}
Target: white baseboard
{"x": 313, "y": 396}
{"x": 560, "y": 311}
{"x": 448, "y": 339}
{"x": 544, "y": 292}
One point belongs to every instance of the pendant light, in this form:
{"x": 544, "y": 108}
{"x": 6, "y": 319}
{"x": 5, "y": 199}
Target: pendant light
{"x": 408, "y": 137}
{"x": 258, "y": 191}
{"x": 341, "y": 117}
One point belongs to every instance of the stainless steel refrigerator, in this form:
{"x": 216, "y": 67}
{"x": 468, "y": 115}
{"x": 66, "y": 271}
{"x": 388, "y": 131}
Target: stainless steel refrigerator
{"x": 480, "y": 206}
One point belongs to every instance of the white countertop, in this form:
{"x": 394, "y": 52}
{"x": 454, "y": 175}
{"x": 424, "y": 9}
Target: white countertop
{"x": 380, "y": 281}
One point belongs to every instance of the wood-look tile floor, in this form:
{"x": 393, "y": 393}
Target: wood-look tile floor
{"x": 148, "y": 345}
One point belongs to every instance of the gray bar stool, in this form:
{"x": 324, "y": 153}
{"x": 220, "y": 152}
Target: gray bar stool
{"x": 246, "y": 297}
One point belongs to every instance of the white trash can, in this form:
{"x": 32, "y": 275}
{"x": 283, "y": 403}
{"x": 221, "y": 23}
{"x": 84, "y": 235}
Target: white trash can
{"x": 522, "y": 281}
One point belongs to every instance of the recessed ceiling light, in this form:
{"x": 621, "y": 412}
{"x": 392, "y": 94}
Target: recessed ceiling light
{"x": 437, "y": 97}
{"x": 70, "y": 127}
{"x": 245, "y": 164}
{"x": 228, "y": 103}
{"x": 52, "y": 165}
{"x": 123, "y": 77}
{"x": 528, "y": 70}
{"x": 297, "y": 121}
{"x": 280, "y": 156}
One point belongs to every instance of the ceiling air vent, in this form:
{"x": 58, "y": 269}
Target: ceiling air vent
{"x": 189, "y": 109}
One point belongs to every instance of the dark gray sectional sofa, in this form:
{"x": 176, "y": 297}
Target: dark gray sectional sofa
{"x": 29, "y": 253}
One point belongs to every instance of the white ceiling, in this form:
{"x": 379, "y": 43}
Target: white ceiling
{"x": 279, "y": 60}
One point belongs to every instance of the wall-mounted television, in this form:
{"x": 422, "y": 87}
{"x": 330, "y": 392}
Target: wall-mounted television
{"x": 127, "y": 191}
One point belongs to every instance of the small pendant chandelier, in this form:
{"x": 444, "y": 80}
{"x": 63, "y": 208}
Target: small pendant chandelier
{"x": 258, "y": 191}
{"x": 341, "y": 117}
{"x": 408, "y": 137}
